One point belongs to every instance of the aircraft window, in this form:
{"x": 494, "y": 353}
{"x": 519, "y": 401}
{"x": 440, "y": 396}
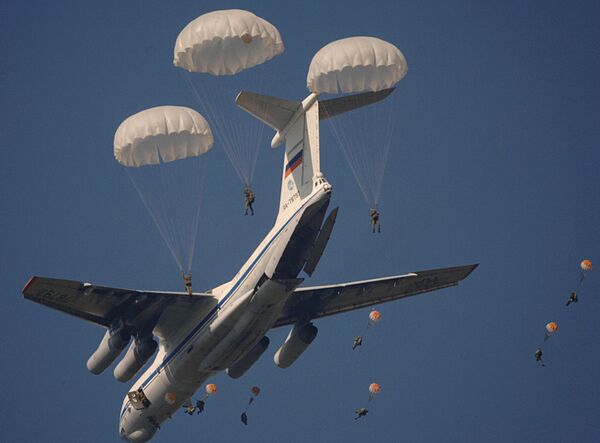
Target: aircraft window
{"x": 138, "y": 399}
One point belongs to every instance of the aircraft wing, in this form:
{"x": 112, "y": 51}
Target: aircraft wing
{"x": 320, "y": 301}
{"x": 138, "y": 310}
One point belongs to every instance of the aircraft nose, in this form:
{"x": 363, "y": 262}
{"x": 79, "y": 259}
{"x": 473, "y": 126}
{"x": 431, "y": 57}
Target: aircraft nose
{"x": 137, "y": 436}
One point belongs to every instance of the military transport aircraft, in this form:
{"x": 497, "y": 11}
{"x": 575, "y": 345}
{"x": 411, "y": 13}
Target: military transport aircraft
{"x": 201, "y": 334}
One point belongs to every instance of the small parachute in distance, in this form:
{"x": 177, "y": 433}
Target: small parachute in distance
{"x": 361, "y": 65}
{"x": 211, "y": 389}
{"x": 374, "y": 389}
{"x": 586, "y": 265}
{"x": 255, "y": 391}
{"x": 551, "y": 329}
{"x": 221, "y": 53}
{"x": 170, "y": 398}
{"x": 374, "y": 317}
{"x": 161, "y": 149}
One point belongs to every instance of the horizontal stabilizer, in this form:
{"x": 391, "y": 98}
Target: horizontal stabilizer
{"x": 336, "y": 106}
{"x": 319, "y": 246}
{"x": 272, "y": 111}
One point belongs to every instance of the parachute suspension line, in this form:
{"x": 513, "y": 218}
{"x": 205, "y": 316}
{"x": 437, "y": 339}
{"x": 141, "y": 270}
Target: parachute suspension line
{"x": 361, "y": 66}
{"x": 198, "y": 167}
{"x": 374, "y": 157}
{"x": 363, "y": 157}
{"x": 172, "y": 196}
{"x": 223, "y": 50}
{"x": 387, "y": 142}
{"x": 158, "y": 221}
{"x": 207, "y": 107}
{"x": 161, "y": 149}
{"x": 259, "y": 127}
{"x": 343, "y": 142}
{"x": 228, "y": 130}
{"x": 240, "y": 135}
{"x": 367, "y": 162}
{"x": 218, "y": 126}
{"x": 356, "y": 155}
{"x": 371, "y": 157}
{"x": 358, "y": 162}
{"x": 248, "y": 133}
{"x": 196, "y": 218}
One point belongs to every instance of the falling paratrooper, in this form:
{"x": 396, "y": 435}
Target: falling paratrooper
{"x": 209, "y": 390}
{"x": 255, "y": 392}
{"x": 369, "y": 68}
{"x": 374, "y": 317}
{"x": 374, "y": 389}
{"x": 162, "y": 150}
{"x": 585, "y": 266}
{"x": 538, "y": 356}
{"x": 220, "y": 53}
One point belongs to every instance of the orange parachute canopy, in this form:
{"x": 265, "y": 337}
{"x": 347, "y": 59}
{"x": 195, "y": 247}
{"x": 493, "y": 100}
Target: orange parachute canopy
{"x": 255, "y": 391}
{"x": 552, "y": 327}
{"x": 211, "y": 389}
{"x": 374, "y": 316}
{"x": 374, "y": 389}
{"x": 586, "y": 265}
{"x": 170, "y": 398}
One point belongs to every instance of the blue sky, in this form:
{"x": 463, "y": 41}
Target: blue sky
{"x": 495, "y": 162}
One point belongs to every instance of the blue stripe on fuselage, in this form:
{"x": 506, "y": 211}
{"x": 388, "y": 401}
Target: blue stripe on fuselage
{"x": 208, "y": 317}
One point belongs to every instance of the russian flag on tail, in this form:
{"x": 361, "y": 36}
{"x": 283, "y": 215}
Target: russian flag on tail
{"x": 294, "y": 163}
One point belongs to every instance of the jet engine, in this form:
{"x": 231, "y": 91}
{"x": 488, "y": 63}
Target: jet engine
{"x": 137, "y": 355}
{"x": 112, "y": 344}
{"x": 243, "y": 364}
{"x": 295, "y": 344}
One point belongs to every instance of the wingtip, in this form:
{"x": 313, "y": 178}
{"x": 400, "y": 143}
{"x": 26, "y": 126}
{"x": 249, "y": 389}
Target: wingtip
{"x": 470, "y": 269}
{"x": 29, "y": 282}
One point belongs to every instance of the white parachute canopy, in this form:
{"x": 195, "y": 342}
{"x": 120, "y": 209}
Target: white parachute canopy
{"x": 356, "y": 64}
{"x": 162, "y": 150}
{"x": 162, "y": 134}
{"x": 221, "y": 53}
{"x": 361, "y": 65}
{"x": 226, "y": 42}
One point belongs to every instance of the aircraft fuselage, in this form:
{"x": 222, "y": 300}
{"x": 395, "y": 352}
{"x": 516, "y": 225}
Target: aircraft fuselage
{"x": 209, "y": 342}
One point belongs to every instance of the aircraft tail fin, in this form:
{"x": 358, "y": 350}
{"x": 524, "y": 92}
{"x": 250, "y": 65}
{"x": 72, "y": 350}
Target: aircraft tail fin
{"x": 298, "y": 124}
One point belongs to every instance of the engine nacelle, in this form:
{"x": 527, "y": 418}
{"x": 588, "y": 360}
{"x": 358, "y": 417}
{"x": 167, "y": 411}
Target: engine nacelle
{"x": 243, "y": 364}
{"x": 295, "y": 344}
{"x": 110, "y": 347}
{"x": 137, "y": 355}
